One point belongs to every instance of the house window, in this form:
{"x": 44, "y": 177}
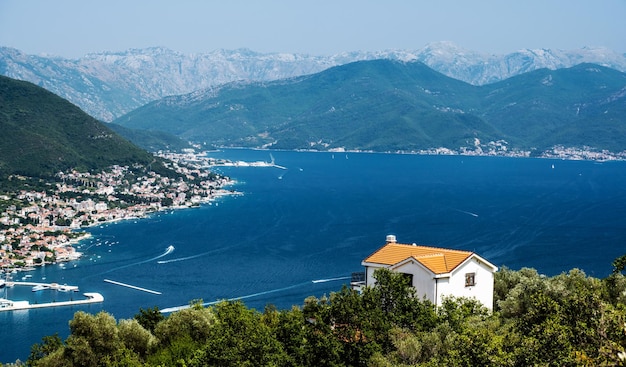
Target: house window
{"x": 408, "y": 278}
{"x": 470, "y": 279}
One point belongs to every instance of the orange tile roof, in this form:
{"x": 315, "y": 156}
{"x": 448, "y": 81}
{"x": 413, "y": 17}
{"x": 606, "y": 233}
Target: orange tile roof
{"x": 437, "y": 260}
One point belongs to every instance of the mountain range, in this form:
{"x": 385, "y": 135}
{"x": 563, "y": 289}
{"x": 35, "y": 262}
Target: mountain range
{"x": 386, "y": 105}
{"x": 109, "y": 84}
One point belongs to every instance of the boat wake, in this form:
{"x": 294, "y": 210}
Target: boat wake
{"x": 178, "y": 308}
{"x": 192, "y": 256}
{"x": 466, "y": 212}
{"x": 168, "y": 251}
{"x": 329, "y": 280}
{"x": 180, "y": 259}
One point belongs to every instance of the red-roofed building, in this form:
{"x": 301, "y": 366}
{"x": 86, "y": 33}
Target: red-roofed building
{"x": 435, "y": 272}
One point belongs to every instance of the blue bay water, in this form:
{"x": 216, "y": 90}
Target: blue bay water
{"x": 321, "y": 216}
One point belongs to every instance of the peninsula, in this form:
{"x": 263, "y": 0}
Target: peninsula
{"x": 40, "y": 226}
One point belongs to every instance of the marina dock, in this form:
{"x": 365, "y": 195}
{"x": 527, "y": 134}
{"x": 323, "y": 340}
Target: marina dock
{"x": 10, "y": 305}
{"x": 41, "y": 286}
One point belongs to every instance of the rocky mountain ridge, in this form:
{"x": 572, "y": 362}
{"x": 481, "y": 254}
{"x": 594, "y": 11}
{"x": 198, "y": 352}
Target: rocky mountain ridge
{"x": 109, "y": 84}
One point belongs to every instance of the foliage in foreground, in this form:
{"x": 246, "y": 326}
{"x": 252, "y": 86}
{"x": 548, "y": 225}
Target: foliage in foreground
{"x": 566, "y": 320}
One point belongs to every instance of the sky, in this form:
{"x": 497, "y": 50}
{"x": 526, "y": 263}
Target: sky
{"x": 74, "y": 28}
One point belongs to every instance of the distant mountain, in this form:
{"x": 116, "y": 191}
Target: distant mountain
{"x": 385, "y": 105}
{"x": 43, "y": 133}
{"x": 110, "y": 84}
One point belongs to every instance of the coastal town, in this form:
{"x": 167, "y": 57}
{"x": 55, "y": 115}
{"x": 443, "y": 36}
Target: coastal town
{"x": 501, "y": 148}
{"x": 40, "y": 227}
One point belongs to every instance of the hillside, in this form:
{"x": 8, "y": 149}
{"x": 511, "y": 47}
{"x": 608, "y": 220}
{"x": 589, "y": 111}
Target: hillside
{"x": 43, "y": 133}
{"x": 109, "y": 84}
{"x": 152, "y": 141}
{"x": 581, "y": 106}
{"x": 385, "y": 105}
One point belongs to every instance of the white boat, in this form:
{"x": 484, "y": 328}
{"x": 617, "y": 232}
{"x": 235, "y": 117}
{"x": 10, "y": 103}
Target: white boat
{"x": 39, "y": 287}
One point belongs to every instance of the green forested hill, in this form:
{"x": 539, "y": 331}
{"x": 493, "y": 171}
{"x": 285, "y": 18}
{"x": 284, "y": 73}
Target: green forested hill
{"x": 582, "y": 105}
{"x": 43, "y": 133}
{"x": 386, "y": 105}
{"x": 151, "y": 140}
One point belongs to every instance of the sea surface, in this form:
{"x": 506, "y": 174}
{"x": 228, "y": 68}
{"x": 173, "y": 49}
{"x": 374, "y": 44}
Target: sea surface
{"x": 302, "y": 231}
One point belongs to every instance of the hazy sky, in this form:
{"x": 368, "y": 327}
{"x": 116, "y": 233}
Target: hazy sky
{"x": 73, "y": 28}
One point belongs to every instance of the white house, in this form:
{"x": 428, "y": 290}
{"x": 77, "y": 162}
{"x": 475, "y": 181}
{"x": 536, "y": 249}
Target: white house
{"x": 435, "y": 272}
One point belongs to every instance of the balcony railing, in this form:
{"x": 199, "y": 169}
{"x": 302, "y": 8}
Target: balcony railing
{"x": 357, "y": 280}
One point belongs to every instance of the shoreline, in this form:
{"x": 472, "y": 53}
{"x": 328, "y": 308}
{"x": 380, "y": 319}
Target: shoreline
{"x": 48, "y": 226}
{"x": 557, "y": 153}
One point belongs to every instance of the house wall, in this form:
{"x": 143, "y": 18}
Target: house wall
{"x": 422, "y": 279}
{"x": 455, "y": 285}
{"x": 369, "y": 275}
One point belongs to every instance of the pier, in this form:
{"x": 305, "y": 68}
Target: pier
{"x": 8, "y": 305}
{"x": 132, "y": 286}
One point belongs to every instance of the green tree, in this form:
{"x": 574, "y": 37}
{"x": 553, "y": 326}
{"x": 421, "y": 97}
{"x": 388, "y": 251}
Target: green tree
{"x": 456, "y": 311}
{"x": 194, "y": 323}
{"x": 322, "y": 347}
{"x": 546, "y": 339}
{"x": 619, "y": 264}
{"x": 238, "y": 338}
{"x": 581, "y": 305}
{"x": 356, "y": 326}
{"x": 149, "y": 318}
{"x": 288, "y": 327}
{"x": 397, "y": 300}
{"x": 513, "y": 290}
{"x": 135, "y": 337}
{"x": 615, "y": 283}
{"x": 49, "y": 345}
{"x": 93, "y": 340}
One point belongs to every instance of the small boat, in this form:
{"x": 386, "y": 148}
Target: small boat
{"x": 39, "y": 287}
{"x": 67, "y": 288}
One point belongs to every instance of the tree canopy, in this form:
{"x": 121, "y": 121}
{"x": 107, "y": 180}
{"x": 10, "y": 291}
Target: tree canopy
{"x": 567, "y": 320}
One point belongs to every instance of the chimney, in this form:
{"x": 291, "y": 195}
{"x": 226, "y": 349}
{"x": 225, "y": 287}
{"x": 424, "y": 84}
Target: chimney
{"x": 391, "y": 238}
